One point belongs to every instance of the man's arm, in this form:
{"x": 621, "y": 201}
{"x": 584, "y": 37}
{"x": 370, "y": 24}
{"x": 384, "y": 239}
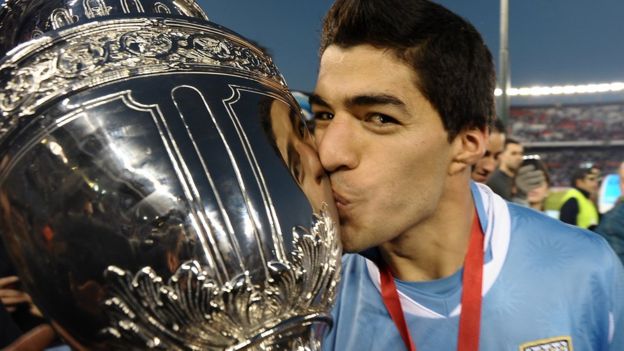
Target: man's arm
{"x": 569, "y": 211}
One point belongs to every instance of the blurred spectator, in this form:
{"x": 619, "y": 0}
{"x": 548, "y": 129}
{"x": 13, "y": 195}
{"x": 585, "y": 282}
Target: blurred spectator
{"x": 563, "y": 161}
{"x": 512, "y": 180}
{"x": 537, "y": 196}
{"x": 502, "y": 180}
{"x": 612, "y": 223}
{"x": 484, "y": 168}
{"x": 564, "y": 135}
{"x": 577, "y": 207}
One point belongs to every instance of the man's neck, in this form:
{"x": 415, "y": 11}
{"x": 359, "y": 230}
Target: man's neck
{"x": 436, "y": 247}
{"x": 508, "y": 171}
{"x": 583, "y": 191}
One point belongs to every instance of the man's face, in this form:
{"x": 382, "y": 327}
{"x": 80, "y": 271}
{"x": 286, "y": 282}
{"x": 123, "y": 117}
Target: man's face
{"x": 589, "y": 183}
{"x": 538, "y": 194}
{"x": 489, "y": 162}
{"x": 382, "y": 143}
{"x": 512, "y": 156}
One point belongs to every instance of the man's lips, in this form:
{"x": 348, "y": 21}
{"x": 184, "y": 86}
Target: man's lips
{"x": 341, "y": 201}
{"x": 482, "y": 175}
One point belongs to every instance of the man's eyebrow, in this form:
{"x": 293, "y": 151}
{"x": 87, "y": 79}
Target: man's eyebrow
{"x": 375, "y": 99}
{"x": 317, "y": 100}
{"x": 362, "y": 100}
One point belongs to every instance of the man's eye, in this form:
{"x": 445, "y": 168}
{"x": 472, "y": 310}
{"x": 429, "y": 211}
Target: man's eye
{"x": 323, "y": 116}
{"x": 378, "y": 118}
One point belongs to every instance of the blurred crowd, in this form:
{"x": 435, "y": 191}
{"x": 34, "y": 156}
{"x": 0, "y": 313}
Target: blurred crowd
{"x": 562, "y": 161}
{"x": 591, "y": 122}
{"x": 563, "y": 182}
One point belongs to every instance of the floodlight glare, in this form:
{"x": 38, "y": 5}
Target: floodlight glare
{"x": 563, "y": 90}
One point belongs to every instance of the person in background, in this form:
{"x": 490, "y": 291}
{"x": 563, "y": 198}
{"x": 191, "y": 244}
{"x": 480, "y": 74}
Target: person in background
{"x": 502, "y": 180}
{"x": 577, "y": 207}
{"x": 611, "y": 224}
{"x": 484, "y": 168}
{"x": 537, "y": 196}
{"x": 433, "y": 260}
{"x": 512, "y": 180}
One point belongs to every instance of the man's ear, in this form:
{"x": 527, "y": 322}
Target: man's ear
{"x": 468, "y": 147}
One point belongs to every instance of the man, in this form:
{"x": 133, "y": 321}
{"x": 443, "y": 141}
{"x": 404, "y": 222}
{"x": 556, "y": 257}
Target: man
{"x": 483, "y": 169}
{"x": 502, "y": 180}
{"x": 513, "y": 180}
{"x": 577, "y": 206}
{"x": 612, "y": 223}
{"x": 404, "y": 91}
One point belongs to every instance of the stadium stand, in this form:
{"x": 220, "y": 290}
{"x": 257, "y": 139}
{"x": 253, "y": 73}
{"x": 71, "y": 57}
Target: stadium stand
{"x": 566, "y": 136}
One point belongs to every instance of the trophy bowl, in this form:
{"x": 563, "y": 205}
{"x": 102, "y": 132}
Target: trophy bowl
{"x": 159, "y": 187}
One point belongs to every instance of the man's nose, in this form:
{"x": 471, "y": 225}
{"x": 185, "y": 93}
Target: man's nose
{"x": 489, "y": 164}
{"x": 336, "y": 142}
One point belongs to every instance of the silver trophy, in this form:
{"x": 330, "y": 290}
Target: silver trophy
{"x": 159, "y": 188}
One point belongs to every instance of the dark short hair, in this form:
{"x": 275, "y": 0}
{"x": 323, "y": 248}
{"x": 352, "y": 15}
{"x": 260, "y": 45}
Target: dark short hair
{"x": 511, "y": 141}
{"x": 498, "y": 126}
{"x": 454, "y": 66}
{"x": 580, "y": 173}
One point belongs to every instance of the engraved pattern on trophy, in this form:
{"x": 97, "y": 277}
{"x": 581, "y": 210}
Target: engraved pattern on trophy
{"x": 196, "y": 309}
{"x": 271, "y": 216}
{"x": 159, "y": 7}
{"x": 167, "y": 315}
{"x": 105, "y": 54}
{"x": 36, "y": 33}
{"x": 20, "y": 21}
{"x": 60, "y": 17}
{"x": 95, "y": 8}
{"x": 147, "y": 44}
{"x": 130, "y": 6}
{"x": 213, "y": 224}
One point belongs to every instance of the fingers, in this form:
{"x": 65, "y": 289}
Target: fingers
{"x": 535, "y": 178}
{"x": 528, "y": 178}
{"x": 10, "y": 297}
{"x": 6, "y": 281}
{"x": 524, "y": 169}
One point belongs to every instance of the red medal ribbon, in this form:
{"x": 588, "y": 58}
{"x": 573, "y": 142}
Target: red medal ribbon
{"x": 470, "y": 317}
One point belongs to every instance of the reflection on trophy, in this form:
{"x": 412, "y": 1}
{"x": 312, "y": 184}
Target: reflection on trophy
{"x": 159, "y": 188}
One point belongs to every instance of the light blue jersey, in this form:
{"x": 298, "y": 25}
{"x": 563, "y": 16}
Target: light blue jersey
{"x": 546, "y": 286}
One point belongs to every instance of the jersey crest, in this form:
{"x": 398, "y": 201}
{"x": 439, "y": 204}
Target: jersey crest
{"x": 560, "y": 343}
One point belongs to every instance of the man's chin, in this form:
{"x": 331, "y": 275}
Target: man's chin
{"x": 356, "y": 246}
{"x": 349, "y": 247}
{"x": 479, "y": 178}
{"x": 352, "y": 246}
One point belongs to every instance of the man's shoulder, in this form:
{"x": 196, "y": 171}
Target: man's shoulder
{"x": 612, "y": 222}
{"x": 532, "y": 227}
{"x": 497, "y": 175}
